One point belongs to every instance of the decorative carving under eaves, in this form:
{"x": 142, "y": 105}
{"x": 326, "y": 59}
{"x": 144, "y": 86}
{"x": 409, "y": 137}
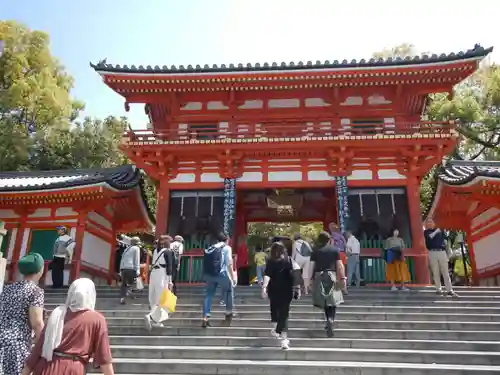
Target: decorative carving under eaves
{"x": 230, "y": 165}
{"x": 339, "y": 161}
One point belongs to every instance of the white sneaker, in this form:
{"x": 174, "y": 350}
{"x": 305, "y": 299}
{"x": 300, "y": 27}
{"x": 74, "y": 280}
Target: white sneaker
{"x": 274, "y": 334}
{"x": 147, "y": 323}
{"x": 285, "y": 344}
{"x": 404, "y": 289}
{"x": 394, "y": 288}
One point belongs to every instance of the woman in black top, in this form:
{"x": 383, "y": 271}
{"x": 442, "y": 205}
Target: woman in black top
{"x": 328, "y": 279}
{"x": 282, "y": 282}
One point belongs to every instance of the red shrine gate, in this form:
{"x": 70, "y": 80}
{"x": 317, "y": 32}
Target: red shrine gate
{"x": 220, "y": 132}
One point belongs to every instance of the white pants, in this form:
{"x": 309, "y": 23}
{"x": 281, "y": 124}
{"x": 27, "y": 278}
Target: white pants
{"x": 157, "y": 282}
{"x": 438, "y": 261}
{"x": 305, "y": 265}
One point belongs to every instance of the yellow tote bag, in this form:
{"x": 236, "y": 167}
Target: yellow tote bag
{"x": 168, "y": 300}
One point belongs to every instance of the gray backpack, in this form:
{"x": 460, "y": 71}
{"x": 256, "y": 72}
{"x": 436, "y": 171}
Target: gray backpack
{"x": 304, "y": 249}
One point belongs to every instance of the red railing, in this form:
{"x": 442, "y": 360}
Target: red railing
{"x": 294, "y": 130}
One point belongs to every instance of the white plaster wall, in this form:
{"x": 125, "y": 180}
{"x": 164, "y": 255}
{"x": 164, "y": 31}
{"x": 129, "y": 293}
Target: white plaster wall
{"x": 485, "y": 216}
{"x": 51, "y": 223}
{"x": 184, "y": 178}
{"x": 41, "y": 212}
{"x": 285, "y": 176}
{"x": 390, "y": 174}
{"x": 65, "y": 211}
{"x": 251, "y": 177}
{"x": 12, "y": 242}
{"x": 8, "y": 214}
{"x": 283, "y": 103}
{"x": 318, "y": 176}
{"x": 486, "y": 251}
{"x": 211, "y": 177}
{"x": 95, "y": 251}
{"x": 99, "y": 220}
{"x": 362, "y": 174}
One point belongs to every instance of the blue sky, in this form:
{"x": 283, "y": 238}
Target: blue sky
{"x": 165, "y": 32}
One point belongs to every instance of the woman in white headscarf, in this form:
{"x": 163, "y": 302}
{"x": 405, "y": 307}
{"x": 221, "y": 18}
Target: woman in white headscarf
{"x": 74, "y": 333}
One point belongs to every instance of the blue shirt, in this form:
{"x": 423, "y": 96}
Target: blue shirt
{"x": 436, "y": 242}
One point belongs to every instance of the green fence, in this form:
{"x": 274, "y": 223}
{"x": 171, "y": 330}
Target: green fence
{"x": 372, "y": 269}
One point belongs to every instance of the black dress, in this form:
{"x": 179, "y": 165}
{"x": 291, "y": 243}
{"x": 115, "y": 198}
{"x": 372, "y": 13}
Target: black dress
{"x": 280, "y": 290}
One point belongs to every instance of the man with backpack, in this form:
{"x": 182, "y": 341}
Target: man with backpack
{"x": 301, "y": 254}
{"x": 218, "y": 270}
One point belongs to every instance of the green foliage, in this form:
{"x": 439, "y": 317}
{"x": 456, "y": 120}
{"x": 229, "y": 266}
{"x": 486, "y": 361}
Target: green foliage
{"x": 34, "y": 92}
{"x": 427, "y": 187}
{"x": 267, "y": 230}
{"x": 92, "y": 143}
{"x": 150, "y": 192}
{"x": 475, "y": 106}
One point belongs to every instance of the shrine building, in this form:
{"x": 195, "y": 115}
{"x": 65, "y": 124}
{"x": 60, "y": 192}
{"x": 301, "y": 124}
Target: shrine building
{"x": 341, "y": 141}
{"x": 93, "y": 204}
{"x": 467, "y": 198}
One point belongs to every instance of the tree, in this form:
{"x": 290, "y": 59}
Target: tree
{"x": 34, "y": 92}
{"x": 267, "y": 230}
{"x": 92, "y": 143}
{"x": 474, "y": 105}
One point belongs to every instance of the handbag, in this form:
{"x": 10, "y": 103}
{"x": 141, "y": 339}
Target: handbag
{"x": 138, "y": 284}
{"x": 168, "y": 300}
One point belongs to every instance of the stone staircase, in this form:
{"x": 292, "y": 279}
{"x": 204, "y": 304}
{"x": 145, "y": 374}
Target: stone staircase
{"x": 378, "y": 332}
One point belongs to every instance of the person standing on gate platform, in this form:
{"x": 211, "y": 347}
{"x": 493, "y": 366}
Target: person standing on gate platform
{"x": 435, "y": 241}
{"x": 282, "y": 283}
{"x": 130, "y": 267}
{"x": 353, "y": 251}
{"x": 396, "y": 268}
{"x": 301, "y": 254}
{"x": 218, "y": 271}
{"x": 162, "y": 268}
{"x": 63, "y": 251}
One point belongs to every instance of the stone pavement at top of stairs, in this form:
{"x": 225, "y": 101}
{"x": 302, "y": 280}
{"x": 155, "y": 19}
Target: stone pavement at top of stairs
{"x": 378, "y": 332}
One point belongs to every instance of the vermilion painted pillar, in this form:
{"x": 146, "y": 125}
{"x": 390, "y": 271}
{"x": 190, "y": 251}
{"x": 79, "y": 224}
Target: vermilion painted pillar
{"x": 422, "y": 273}
{"x": 112, "y": 254}
{"x": 16, "y": 251}
{"x": 472, "y": 255}
{"x": 77, "y": 252}
{"x": 162, "y": 208}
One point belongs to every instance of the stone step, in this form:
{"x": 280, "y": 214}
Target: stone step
{"x": 307, "y": 300}
{"x": 201, "y": 287}
{"x": 247, "y": 367}
{"x": 315, "y": 314}
{"x": 345, "y": 308}
{"x": 179, "y": 321}
{"x": 341, "y": 332}
{"x": 256, "y": 291}
{"x": 307, "y": 354}
{"x": 264, "y": 342}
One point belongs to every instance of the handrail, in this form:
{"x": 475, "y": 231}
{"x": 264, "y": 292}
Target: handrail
{"x": 309, "y": 130}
